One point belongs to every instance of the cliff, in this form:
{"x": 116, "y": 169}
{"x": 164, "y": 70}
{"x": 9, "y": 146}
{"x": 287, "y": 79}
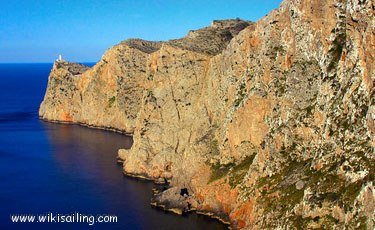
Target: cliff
{"x": 265, "y": 125}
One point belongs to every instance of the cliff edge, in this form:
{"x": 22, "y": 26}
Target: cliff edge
{"x": 264, "y": 125}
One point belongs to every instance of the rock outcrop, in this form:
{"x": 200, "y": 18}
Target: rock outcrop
{"x": 265, "y": 125}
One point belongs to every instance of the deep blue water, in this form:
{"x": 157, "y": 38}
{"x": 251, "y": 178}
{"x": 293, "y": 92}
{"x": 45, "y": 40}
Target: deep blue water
{"x": 64, "y": 169}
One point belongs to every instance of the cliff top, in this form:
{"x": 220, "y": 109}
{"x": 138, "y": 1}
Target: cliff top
{"x": 210, "y": 40}
{"x": 73, "y": 68}
{"x": 143, "y": 45}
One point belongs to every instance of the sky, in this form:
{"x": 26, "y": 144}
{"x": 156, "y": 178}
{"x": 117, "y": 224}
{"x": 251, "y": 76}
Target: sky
{"x": 82, "y": 30}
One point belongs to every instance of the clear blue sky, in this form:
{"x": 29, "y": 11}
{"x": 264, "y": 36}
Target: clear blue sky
{"x": 81, "y": 30}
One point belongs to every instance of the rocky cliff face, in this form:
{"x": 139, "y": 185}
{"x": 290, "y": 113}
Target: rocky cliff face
{"x": 266, "y": 125}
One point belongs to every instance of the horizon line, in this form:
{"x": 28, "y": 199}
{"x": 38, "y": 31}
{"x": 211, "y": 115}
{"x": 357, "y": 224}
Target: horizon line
{"x": 45, "y": 62}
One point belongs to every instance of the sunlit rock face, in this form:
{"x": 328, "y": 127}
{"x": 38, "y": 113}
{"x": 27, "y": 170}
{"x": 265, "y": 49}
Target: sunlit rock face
{"x": 266, "y": 125}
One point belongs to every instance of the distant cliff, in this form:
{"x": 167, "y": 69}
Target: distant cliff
{"x": 265, "y": 125}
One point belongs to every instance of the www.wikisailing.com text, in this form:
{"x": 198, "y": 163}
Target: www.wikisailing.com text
{"x": 63, "y": 218}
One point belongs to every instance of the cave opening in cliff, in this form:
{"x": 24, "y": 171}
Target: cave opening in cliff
{"x": 184, "y": 192}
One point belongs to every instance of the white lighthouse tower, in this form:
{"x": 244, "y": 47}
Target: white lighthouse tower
{"x": 59, "y": 59}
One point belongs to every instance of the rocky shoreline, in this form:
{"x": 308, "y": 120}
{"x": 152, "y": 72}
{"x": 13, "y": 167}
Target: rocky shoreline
{"x": 112, "y": 129}
{"x": 164, "y": 183}
{"x": 268, "y": 124}
{"x": 182, "y": 208}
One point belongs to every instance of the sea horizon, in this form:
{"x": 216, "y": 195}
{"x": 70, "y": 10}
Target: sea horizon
{"x": 1, "y": 63}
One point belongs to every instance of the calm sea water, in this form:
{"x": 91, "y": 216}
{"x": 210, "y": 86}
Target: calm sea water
{"x": 66, "y": 169}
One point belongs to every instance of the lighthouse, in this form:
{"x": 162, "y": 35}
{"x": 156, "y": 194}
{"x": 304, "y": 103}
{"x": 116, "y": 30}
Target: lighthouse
{"x": 59, "y": 59}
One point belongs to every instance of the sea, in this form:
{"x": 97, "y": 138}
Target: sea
{"x": 66, "y": 176}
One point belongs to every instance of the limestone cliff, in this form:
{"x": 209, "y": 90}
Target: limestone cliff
{"x": 266, "y": 125}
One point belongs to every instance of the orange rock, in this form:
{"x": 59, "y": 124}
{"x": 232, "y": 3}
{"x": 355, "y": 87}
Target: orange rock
{"x": 66, "y": 117}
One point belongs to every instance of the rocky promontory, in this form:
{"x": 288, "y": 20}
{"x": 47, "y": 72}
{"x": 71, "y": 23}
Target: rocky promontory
{"x": 265, "y": 125}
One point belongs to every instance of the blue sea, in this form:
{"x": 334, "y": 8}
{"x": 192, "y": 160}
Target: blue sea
{"x": 67, "y": 170}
